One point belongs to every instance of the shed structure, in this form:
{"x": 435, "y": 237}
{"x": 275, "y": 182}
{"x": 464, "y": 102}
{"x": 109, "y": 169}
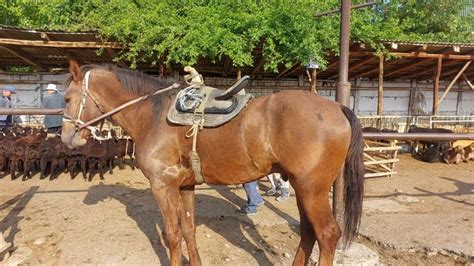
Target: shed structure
{"x": 424, "y": 64}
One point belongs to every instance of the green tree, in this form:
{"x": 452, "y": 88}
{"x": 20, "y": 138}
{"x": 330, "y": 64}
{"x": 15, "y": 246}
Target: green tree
{"x": 285, "y": 32}
{"x": 43, "y": 14}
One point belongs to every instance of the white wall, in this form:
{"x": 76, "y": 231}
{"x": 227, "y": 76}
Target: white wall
{"x": 30, "y": 87}
{"x": 363, "y": 99}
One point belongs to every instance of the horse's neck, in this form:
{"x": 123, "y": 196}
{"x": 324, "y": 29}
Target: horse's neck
{"x": 134, "y": 120}
{"x": 138, "y": 119}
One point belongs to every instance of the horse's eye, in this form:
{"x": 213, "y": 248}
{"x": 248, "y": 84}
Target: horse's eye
{"x": 67, "y": 99}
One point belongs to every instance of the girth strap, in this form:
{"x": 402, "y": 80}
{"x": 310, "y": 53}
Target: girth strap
{"x": 193, "y": 132}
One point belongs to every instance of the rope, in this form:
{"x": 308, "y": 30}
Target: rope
{"x": 96, "y": 134}
{"x": 188, "y": 99}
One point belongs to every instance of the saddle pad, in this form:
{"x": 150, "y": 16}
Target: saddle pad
{"x": 211, "y": 120}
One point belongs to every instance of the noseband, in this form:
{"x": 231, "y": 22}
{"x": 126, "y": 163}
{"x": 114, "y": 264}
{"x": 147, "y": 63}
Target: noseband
{"x": 79, "y": 124}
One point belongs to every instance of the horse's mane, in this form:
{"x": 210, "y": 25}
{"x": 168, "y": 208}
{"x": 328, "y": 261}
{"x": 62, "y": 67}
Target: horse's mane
{"x": 134, "y": 81}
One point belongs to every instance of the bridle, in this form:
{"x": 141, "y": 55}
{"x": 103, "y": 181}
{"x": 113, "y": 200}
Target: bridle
{"x": 79, "y": 124}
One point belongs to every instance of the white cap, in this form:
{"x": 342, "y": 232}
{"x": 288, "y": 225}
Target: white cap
{"x": 51, "y": 87}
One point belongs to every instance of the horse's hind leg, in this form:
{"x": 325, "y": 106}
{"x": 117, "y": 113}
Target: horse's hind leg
{"x": 307, "y": 239}
{"x": 313, "y": 201}
{"x": 188, "y": 225}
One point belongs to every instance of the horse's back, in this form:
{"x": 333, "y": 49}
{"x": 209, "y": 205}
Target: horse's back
{"x": 292, "y": 111}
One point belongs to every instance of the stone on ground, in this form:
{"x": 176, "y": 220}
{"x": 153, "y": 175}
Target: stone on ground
{"x": 356, "y": 254}
{"x": 19, "y": 256}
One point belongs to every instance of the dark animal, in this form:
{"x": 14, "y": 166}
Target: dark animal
{"x": 96, "y": 153}
{"x": 276, "y": 133}
{"x": 25, "y": 152}
{"x": 432, "y": 154}
{"x": 48, "y": 154}
{"x": 123, "y": 147}
{"x": 370, "y": 129}
{"x": 443, "y": 145}
{"x": 74, "y": 157}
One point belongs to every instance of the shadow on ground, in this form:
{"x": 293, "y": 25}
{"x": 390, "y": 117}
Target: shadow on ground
{"x": 462, "y": 189}
{"x": 13, "y": 218}
{"x": 141, "y": 207}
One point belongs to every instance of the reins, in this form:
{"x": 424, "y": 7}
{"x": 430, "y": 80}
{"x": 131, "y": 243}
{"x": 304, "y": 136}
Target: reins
{"x": 127, "y": 104}
{"x": 81, "y": 124}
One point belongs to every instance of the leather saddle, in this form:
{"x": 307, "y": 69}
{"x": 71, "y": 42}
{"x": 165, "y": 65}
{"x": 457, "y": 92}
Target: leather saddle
{"x": 215, "y": 106}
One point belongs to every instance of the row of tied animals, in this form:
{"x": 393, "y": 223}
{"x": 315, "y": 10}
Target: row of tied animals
{"x": 25, "y": 148}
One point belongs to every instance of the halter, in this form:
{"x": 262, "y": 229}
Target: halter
{"x": 79, "y": 124}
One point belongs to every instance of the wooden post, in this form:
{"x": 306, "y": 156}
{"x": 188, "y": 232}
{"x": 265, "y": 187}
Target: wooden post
{"x": 300, "y": 80}
{"x": 343, "y": 96}
{"x": 459, "y": 99}
{"x": 239, "y": 73}
{"x": 380, "y": 92}
{"x": 436, "y": 86}
{"x": 312, "y": 73}
{"x": 161, "y": 69}
{"x": 410, "y": 99}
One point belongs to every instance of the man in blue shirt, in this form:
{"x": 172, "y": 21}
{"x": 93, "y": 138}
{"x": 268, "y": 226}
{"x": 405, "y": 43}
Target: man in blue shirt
{"x": 53, "y": 100}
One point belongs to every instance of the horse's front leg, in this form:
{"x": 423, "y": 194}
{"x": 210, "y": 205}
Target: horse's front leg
{"x": 168, "y": 198}
{"x": 188, "y": 224}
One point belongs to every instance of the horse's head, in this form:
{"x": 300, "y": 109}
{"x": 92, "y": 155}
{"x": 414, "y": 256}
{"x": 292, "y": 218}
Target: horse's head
{"x": 80, "y": 107}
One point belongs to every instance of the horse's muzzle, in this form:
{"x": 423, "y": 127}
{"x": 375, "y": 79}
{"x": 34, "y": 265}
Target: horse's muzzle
{"x": 71, "y": 137}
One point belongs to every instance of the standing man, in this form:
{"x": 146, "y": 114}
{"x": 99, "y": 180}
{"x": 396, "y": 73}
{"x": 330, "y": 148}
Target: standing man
{"x": 279, "y": 186}
{"x": 253, "y": 199}
{"x": 53, "y": 100}
{"x": 6, "y": 103}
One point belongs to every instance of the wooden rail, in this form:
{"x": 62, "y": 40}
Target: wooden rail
{"x": 418, "y": 136}
{"x": 61, "y": 44}
{"x": 31, "y": 111}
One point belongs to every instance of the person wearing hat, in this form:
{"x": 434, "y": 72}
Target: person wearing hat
{"x": 53, "y": 100}
{"x": 6, "y": 102}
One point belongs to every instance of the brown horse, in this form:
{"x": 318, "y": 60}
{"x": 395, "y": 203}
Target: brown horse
{"x": 297, "y": 133}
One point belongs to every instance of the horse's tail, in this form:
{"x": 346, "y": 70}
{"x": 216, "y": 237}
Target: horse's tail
{"x": 353, "y": 179}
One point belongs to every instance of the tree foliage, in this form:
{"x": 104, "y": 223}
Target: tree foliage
{"x": 285, "y": 32}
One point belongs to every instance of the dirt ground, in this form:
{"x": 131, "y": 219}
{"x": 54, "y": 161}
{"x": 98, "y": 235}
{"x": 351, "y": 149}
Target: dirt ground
{"x": 423, "y": 215}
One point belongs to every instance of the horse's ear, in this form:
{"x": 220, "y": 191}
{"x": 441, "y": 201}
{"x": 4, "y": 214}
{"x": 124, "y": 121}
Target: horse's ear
{"x": 75, "y": 70}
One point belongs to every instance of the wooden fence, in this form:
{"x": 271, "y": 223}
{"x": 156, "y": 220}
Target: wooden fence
{"x": 380, "y": 158}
